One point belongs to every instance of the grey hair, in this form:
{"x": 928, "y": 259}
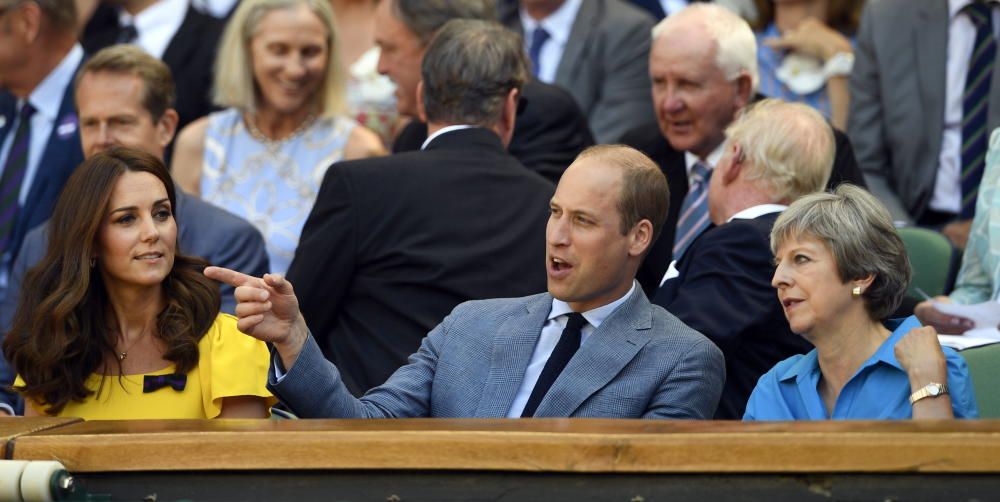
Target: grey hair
{"x": 234, "y": 80}
{"x": 61, "y": 13}
{"x": 469, "y": 69}
{"x": 425, "y": 17}
{"x": 789, "y": 145}
{"x": 858, "y": 230}
{"x": 735, "y": 43}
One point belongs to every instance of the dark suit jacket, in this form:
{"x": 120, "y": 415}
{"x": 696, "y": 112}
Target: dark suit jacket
{"x": 650, "y": 141}
{"x": 550, "y": 132}
{"x": 724, "y": 291}
{"x": 63, "y": 152}
{"x": 190, "y": 55}
{"x": 394, "y": 243}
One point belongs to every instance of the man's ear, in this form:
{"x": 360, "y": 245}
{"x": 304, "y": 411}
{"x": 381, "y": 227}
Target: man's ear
{"x": 733, "y": 168}
{"x": 508, "y": 117}
{"x": 421, "y": 111}
{"x": 28, "y": 21}
{"x": 641, "y": 238}
{"x": 744, "y": 90}
{"x": 166, "y": 127}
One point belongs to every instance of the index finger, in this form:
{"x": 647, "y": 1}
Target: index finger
{"x": 230, "y": 277}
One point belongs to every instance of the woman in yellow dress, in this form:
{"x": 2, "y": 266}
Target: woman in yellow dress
{"x": 114, "y": 323}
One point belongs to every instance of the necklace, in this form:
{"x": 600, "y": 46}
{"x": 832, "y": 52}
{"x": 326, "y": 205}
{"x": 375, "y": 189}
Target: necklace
{"x": 123, "y": 354}
{"x": 275, "y": 144}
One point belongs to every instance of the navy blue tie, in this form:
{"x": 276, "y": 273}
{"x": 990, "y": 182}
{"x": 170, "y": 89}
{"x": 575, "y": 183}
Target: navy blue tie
{"x": 568, "y": 344}
{"x": 975, "y": 105}
{"x": 13, "y": 175}
{"x": 538, "y": 39}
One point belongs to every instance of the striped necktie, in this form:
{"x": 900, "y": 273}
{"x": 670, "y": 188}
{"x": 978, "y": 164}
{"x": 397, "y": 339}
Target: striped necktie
{"x": 694, "y": 210}
{"x": 975, "y": 105}
{"x": 13, "y": 174}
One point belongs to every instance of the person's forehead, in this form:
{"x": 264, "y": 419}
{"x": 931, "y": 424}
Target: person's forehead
{"x": 127, "y": 89}
{"x": 590, "y": 182}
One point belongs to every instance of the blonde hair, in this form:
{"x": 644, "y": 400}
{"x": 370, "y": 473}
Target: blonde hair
{"x": 735, "y": 43}
{"x": 789, "y": 145}
{"x": 234, "y": 80}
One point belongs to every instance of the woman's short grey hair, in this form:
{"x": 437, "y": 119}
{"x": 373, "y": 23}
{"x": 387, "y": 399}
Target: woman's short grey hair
{"x": 735, "y": 43}
{"x": 469, "y": 69}
{"x": 790, "y": 146}
{"x": 858, "y": 230}
{"x": 234, "y": 80}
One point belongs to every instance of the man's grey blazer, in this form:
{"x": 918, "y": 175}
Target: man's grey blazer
{"x": 898, "y": 100}
{"x": 642, "y": 362}
{"x": 605, "y": 64}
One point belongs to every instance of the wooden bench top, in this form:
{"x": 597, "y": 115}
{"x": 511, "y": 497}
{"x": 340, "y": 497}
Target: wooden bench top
{"x": 535, "y": 445}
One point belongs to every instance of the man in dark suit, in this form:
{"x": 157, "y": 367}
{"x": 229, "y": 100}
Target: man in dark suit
{"x": 124, "y": 98}
{"x": 721, "y": 287}
{"x": 692, "y": 119}
{"x": 39, "y": 135}
{"x": 394, "y": 243}
{"x": 551, "y": 129}
{"x": 598, "y": 50}
{"x": 171, "y": 30}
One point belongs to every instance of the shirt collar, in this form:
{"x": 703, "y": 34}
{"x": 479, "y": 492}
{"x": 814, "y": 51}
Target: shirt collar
{"x": 444, "y": 130}
{"x": 691, "y": 159}
{"x": 164, "y": 14}
{"x": 559, "y": 24}
{"x": 48, "y": 96}
{"x": 886, "y": 352}
{"x": 757, "y": 211}
{"x": 594, "y": 316}
{"x": 956, "y": 6}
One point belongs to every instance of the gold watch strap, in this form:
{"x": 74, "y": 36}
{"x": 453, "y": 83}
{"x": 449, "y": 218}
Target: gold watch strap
{"x": 932, "y": 389}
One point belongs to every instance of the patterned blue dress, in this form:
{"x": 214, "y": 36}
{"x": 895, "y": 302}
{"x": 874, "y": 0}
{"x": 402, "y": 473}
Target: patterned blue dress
{"x": 272, "y": 185}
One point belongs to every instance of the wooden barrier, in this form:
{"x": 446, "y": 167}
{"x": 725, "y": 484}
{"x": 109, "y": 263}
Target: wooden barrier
{"x": 372, "y": 454}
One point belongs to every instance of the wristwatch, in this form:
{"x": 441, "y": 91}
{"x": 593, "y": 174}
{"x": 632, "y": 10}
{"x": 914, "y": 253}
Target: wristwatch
{"x": 932, "y": 389}
{"x": 840, "y": 65}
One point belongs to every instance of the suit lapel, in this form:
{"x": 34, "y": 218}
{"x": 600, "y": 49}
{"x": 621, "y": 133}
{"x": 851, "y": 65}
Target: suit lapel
{"x": 578, "y": 45}
{"x": 183, "y": 41}
{"x": 513, "y": 344}
{"x": 930, "y": 36}
{"x": 608, "y": 349}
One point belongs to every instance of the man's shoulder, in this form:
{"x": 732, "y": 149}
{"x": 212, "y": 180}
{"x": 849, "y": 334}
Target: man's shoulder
{"x": 619, "y": 14}
{"x": 670, "y": 334}
{"x": 221, "y": 223}
{"x": 500, "y": 307}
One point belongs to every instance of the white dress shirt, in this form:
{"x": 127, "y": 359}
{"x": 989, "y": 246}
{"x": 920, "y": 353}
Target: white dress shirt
{"x": 671, "y": 7}
{"x": 547, "y": 340}
{"x": 156, "y": 24}
{"x": 947, "y": 196}
{"x": 559, "y": 24}
{"x": 710, "y": 162}
{"x": 444, "y": 130}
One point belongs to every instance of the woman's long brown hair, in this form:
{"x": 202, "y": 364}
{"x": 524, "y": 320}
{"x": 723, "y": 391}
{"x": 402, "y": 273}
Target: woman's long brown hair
{"x": 62, "y": 331}
{"x": 841, "y": 15}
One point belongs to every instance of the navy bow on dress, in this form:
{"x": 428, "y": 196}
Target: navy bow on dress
{"x": 152, "y": 383}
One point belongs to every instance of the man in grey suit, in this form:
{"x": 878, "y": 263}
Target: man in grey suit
{"x": 592, "y": 346}
{"x": 598, "y": 50}
{"x": 907, "y": 118}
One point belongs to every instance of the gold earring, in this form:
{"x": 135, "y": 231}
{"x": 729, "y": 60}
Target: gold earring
{"x": 856, "y": 291}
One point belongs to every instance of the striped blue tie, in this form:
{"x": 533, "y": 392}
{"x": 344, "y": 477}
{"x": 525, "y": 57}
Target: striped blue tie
{"x": 694, "y": 210}
{"x": 975, "y": 105}
{"x": 13, "y": 174}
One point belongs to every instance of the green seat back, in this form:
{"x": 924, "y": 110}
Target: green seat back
{"x": 984, "y": 368}
{"x": 930, "y": 258}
